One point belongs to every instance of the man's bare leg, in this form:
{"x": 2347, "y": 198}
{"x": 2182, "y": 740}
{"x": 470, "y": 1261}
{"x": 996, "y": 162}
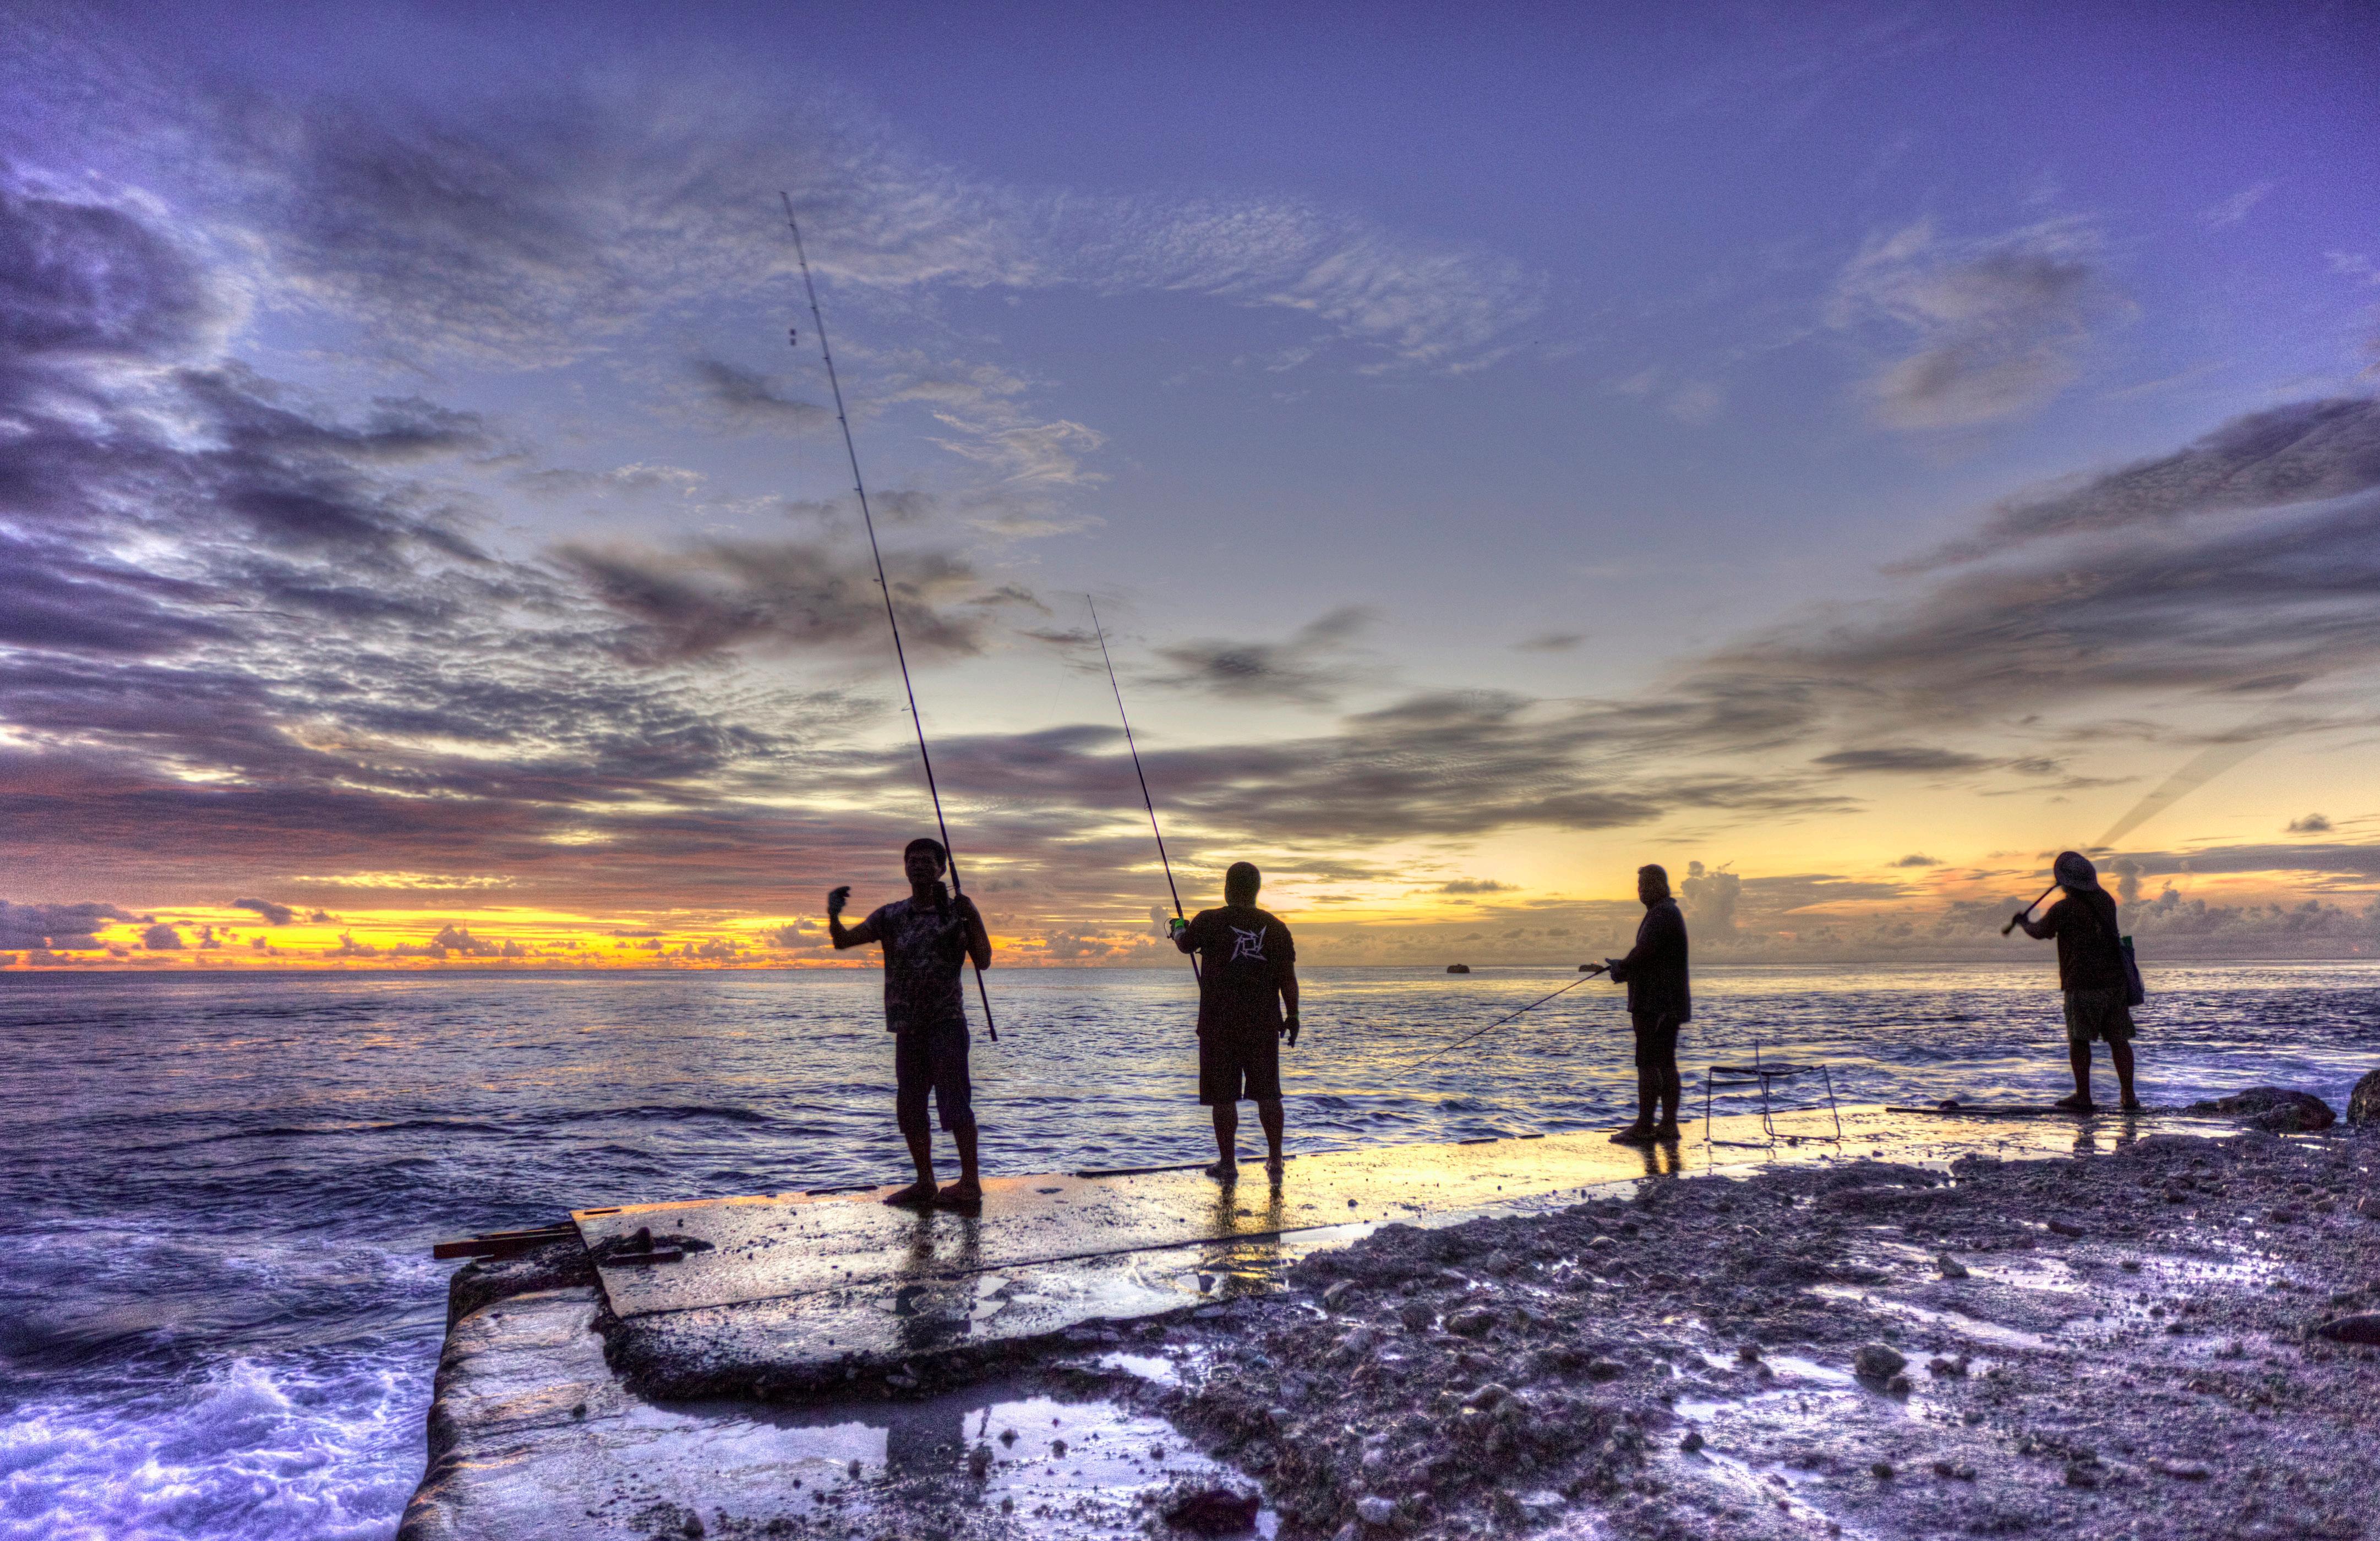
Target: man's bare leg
{"x": 1227, "y": 1142}
{"x": 2121, "y": 1051}
{"x": 1649, "y": 1084}
{"x": 2078, "y": 1054}
{"x": 968, "y": 1189}
{"x": 921, "y": 1154}
{"x": 1268, "y": 1114}
{"x": 1672, "y": 1090}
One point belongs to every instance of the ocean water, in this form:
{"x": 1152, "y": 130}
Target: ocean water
{"x": 218, "y": 1314}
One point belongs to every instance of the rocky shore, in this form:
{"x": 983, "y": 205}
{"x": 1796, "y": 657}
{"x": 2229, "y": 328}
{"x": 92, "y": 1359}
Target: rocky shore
{"x": 2174, "y": 1339}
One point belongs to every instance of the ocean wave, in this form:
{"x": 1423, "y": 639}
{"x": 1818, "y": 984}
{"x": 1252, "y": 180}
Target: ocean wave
{"x": 255, "y": 1452}
{"x": 655, "y": 1111}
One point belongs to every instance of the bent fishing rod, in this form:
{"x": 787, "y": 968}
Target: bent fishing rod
{"x": 1147, "y": 801}
{"x": 859, "y": 486}
{"x": 1482, "y": 1032}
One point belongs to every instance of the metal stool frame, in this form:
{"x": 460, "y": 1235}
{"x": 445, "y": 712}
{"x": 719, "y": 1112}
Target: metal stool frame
{"x": 1759, "y": 1074}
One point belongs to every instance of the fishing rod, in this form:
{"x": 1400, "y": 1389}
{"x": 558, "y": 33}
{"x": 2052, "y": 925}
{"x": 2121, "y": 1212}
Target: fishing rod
{"x": 1150, "y": 801}
{"x": 1447, "y": 1049}
{"x": 901, "y": 655}
{"x": 2027, "y": 910}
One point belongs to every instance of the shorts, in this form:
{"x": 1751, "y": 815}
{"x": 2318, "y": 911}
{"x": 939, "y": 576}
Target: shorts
{"x": 932, "y": 1060}
{"x": 1657, "y": 1040}
{"x": 1238, "y": 1061}
{"x": 2098, "y": 1013}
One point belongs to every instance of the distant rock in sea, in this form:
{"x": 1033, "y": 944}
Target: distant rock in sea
{"x": 1458, "y": 968}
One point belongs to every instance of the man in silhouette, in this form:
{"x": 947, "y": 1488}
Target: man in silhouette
{"x": 2091, "y": 971}
{"x": 1248, "y": 975}
{"x": 1655, "y": 973}
{"x": 926, "y": 937}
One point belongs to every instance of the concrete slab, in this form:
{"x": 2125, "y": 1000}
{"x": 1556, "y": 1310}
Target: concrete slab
{"x": 793, "y": 1295}
{"x": 535, "y": 1438}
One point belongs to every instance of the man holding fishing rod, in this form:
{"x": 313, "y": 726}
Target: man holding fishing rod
{"x": 1248, "y": 977}
{"x": 926, "y": 937}
{"x": 2091, "y": 973}
{"x": 1655, "y": 973}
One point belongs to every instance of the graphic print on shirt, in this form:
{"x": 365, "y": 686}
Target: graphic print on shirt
{"x": 1247, "y": 944}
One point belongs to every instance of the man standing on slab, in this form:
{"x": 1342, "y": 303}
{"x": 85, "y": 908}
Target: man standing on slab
{"x": 1655, "y": 973}
{"x": 1247, "y": 1001}
{"x": 2091, "y": 971}
{"x": 926, "y": 938}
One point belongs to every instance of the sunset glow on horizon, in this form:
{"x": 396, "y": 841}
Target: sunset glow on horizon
{"x": 1845, "y": 458}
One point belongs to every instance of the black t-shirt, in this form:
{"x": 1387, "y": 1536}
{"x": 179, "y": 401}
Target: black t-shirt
{"x": 924, "y": 945}
{"x": 2088, "y": 955}
{"x": 1245, "y": 953}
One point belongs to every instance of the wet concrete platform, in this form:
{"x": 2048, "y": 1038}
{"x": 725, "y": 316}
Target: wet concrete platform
{"x": 823, "y": 1360}
{"x": 797, "y": 1295}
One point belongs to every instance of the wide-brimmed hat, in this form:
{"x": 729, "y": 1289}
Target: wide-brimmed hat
{"x": 2073, "y": 869}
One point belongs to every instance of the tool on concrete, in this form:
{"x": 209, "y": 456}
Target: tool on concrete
{"x": 859, "y": 487}
{"x": 505, "y": 1243}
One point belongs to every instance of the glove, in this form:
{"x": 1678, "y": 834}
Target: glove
{"x": 835, "y": 901}
{"x": 1288, "y": 1029}
{"x": 1175, "y": 927}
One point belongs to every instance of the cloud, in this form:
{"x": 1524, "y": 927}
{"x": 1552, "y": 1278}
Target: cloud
{"x": 754, "y": 401}
{"x": 162, "y": 937}
{"x": 1998, "y": 325}
{"x": 2232, "y": 209}
{"x": 2306, "y": 452}
{"x": 2312, "y": 823}
{"x": 702, "y": 600}
{"x": 1917, "y": 858}
{"x": 1474, "y": 885}
{"x": 1711, "y": 896}
{"x": 1551, "y": 642}
{"x": 274, "y": 915}
{"x": 1310, "y": 667}
{"x": 539, "y": 227}
{"x": 1901, "y": 759}
{"x": 60, "y": 928}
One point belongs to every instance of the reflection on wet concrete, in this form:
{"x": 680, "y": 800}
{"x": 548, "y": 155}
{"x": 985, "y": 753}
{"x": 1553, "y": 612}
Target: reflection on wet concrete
{"x": 799, "y": 1295}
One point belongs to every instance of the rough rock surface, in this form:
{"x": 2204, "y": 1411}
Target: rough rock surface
{"x": 1681, "y": 1365}
{"x": 563, "y": 1266}
{"x": 2275, "y": 1110}
{"x": 2364, "y": 1103}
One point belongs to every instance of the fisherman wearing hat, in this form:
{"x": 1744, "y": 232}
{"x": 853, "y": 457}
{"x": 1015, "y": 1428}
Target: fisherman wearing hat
{"x": 2091, "y": 971}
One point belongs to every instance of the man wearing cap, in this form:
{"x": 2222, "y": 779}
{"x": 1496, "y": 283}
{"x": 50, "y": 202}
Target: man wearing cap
{"x": 2091, "y": 971}
{"x": 1248, "y": 975}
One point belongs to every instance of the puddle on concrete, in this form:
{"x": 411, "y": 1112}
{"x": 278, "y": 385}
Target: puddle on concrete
{"x": 1056, "y": 1469}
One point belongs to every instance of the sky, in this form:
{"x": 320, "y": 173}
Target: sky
{"x": 1845, "y": 454}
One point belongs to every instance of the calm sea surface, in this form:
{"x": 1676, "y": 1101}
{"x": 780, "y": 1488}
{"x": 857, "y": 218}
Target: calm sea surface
{"x": 219, "y": 1317}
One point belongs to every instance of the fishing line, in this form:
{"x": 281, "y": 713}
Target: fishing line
{"x": 901, "y": 655}
{"x": 1447, "y": 1049}
{"x": 1149, "y": 802}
